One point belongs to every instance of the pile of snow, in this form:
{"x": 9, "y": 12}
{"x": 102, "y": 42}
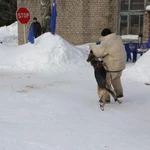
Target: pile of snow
{"x": 141, "y": 70}
{"x": 129, "y": 37}
{"x": 9, "y": 34}
{"x": 84, "y": 47}
{"x": 148, "y": 8}
{"x": 49, "y": 54}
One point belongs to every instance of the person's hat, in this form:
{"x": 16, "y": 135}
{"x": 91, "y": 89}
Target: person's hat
{"x": 34, "y": 18}
{"x": 105, "y": 32}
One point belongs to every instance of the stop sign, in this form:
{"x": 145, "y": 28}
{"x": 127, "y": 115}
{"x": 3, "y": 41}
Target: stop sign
{"x": 23, "y": 15}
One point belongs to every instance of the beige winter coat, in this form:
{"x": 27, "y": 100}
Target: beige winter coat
{"x": 112, "y": 51}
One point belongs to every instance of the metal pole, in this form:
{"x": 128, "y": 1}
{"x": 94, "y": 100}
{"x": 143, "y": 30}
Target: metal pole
{"x": 148, "y": 13}
{"x": 24, "y": 32}
{"x": 148, "y": 22}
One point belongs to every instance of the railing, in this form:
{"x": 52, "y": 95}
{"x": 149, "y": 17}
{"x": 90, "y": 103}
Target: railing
{"x": 135, "y": 49}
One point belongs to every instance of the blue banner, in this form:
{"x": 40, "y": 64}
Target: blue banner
{"x": 149, "y": 41}
{"x": 53, "y": 18}
{"x": 31, "y": 35}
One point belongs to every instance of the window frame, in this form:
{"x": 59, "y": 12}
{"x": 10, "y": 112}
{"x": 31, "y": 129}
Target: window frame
{"x": 120, "y": 7}
{"x": 145, "y": 1}
{"x": 129, "y": 6}
{"x": 128, "y": 13}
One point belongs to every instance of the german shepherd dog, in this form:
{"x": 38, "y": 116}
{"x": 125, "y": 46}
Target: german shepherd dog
{"x": 100, "y": 76}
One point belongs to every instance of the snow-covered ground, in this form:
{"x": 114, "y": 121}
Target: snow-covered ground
{"x": 61, "y": 112}
{"x": 48, "y": 101}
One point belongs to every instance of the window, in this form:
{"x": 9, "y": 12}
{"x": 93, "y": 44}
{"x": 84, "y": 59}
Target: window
{"x": 137, "y": 4}
{"x": 124, "y": 5}
{"x": 132, "y": 16}
{"x": 148, "y": 2}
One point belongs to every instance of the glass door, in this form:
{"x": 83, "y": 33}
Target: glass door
{"x": 136, "y": 24}
{"x": 123, "y": 24}
{"x": 141, "y": 22}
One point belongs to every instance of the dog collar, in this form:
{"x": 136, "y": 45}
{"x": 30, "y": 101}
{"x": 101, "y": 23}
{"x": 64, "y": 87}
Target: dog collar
{"x": 98, "y": 65}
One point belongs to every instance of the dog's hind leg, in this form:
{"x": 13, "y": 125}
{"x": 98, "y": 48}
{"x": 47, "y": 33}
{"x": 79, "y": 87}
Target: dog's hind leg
{"x": 101, "y": 92}
{"x": 114, "y": 95}
{"x": 102, "y": 105}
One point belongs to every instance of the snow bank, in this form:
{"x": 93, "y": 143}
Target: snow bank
{"x": 141, "y": 70}
{"x": 9, "y": 34}
{"x": 50, "y": 54}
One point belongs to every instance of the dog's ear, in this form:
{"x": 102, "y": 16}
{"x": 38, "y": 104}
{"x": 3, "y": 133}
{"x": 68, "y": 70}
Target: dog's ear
{"x": 91, "y": 52}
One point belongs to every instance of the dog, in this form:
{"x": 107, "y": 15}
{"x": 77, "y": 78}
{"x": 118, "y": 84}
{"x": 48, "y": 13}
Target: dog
{"x": 100, "y": 76}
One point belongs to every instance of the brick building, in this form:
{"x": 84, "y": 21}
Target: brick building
{"x": 80, "y": 21}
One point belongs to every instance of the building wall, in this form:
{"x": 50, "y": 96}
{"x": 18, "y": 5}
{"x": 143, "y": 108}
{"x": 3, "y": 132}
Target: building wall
{"x": 145, "y": 27}
{"x": 78, "y": 21}
{"x": 81, "y": 21}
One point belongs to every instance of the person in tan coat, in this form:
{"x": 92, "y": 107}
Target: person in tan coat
{"x": 113, "y": 53}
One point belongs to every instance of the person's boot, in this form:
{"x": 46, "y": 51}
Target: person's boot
{"x": 107, "y": 101}
{"x": 120, "y": 96}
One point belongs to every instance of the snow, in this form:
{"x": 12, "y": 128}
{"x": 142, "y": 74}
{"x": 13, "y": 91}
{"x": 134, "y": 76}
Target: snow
{"x": 148, "y": 8}
{"x": 61, "y": 112}
{"x": 129, "y": 37}
{"x": 48, "y": 101}
{"x": 140, "y": 71}
{"x": 9, "y": 34}
{"x": 49, "y": 54}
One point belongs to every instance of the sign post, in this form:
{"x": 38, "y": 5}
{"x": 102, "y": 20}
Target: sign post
{"x": 23, "y": 16}
{"x": 24, "y": 32}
